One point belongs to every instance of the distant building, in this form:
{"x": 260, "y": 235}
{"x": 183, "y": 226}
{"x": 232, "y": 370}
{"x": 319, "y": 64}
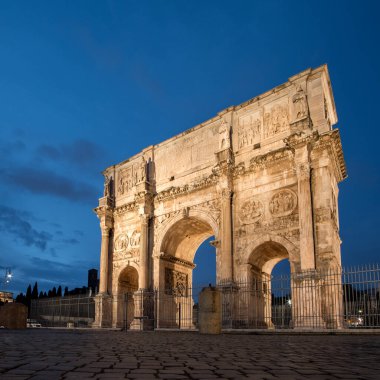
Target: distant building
{"x": 93, "y": 281}
{"x": 6, "y": 297}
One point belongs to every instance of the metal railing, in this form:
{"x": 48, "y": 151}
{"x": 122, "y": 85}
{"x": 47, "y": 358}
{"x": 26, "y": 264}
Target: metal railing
{"x": 75, "y": 311}
{"x": 343, "y": 298}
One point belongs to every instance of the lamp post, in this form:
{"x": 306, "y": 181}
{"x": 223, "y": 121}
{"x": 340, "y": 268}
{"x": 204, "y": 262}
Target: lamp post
{"x": 8, "y": 276}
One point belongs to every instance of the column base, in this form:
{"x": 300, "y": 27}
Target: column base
{"x": 103, "y": 311}
{"x": 144, "y": 310}
{"x": 307, "y": 305}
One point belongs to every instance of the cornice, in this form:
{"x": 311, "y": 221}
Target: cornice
{"x": 176, "y": 260}
{"x": 173, "y": 191}
{"x": 332, "y": 142}
{"x": 132, "y": 206}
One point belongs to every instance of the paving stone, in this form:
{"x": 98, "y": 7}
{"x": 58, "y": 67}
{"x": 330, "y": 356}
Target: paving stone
{"x": 113, "y": 355}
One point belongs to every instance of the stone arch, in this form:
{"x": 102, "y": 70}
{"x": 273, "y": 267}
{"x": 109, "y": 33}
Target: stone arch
{"x": 260, "y": 257}
{"x": 195, "y": 214}
{"x": 276, "y": 242}
{"x": 124, "y": 303}
{"x": 179, "y": 240}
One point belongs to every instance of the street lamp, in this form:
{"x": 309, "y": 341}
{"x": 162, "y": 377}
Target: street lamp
{"x": 8, "y": 275}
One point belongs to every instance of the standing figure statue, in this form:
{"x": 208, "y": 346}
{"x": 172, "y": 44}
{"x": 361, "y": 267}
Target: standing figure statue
{"x": 224, "y": 136}
{"x": 107, "y": 185}
{"x": 299, "y": 103}
{"x": 142, "y": 170}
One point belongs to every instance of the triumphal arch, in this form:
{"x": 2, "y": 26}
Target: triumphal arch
{"x": 261, "y": 178}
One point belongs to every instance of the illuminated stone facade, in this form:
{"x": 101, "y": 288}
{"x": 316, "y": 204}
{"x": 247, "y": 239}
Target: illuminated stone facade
{"x": 261, "y": 177}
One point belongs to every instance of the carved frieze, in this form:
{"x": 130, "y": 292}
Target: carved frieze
{"x": 126, "y": 245}
{"x": 249, "y": 131}
{"x": 251, "y": 211}
{"x": 210, "y": 207}
{"x": 173, "y": 191}
{"x": 176, "y": 283}
{"x": 283, "y": 203}
{"x": 125, "y": 181}
{"x": 121, "y": 242}
{"x": 276, "y": 120}
{"x": 130, "y": 176}
{"x": 283, "y": 222}
{"x": 271, "y": 158}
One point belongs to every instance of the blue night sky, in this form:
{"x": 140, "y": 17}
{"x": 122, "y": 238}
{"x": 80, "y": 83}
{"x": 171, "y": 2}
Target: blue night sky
{"x": 86, "y": 84}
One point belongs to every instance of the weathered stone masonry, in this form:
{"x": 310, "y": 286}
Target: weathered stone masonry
{"x": 261, "y": 177}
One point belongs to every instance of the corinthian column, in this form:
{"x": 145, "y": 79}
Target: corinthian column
{"x": 305, "y": 217}
{"x": 226, "y": 236}
{"x": 104, "y": 260}
{"x": 144, "y": 259}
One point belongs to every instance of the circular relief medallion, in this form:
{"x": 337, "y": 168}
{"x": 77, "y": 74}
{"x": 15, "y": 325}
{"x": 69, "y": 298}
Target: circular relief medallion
{"x": 283, "y": 203}
{"x": 251, "y": 211}
{"x": 121, "y": 242}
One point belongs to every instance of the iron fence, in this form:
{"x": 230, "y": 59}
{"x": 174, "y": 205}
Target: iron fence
{"x": 344, "y": 298}
{"x": 75, "y": 311}
{"x": 333, "y": 299}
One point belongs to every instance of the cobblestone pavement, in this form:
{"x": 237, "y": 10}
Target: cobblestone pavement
{"x": 72, "y": 354}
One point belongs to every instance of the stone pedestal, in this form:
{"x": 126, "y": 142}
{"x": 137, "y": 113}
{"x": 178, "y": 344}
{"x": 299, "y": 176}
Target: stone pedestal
{"x": 210, "y": 311}
{"x": 306, "y": 301}
{"x": 13, "y": 315}
{"x": 103, "y": 311}
{"x": 144, "y": 308}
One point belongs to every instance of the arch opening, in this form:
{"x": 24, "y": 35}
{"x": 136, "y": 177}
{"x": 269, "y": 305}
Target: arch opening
{"x": 128, "y": 284}
{"x": 269, "y": 278}
{"x": 185, "y": 244}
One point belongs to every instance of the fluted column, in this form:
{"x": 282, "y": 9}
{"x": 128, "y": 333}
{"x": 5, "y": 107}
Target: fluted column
{"x": 104, "y": 260}
{"x": 305, "y": 217}
{"x": 144, "y": 258}
{"x": 226, "y": 236}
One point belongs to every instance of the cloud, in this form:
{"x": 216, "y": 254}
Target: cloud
{"x": 42, "y": 181}
{"x": 70, "y": 241}
{"x": 11, "y": 147}
{"x": 80, "y": 152}
{"x": 49, "y": 152}
{"x": 15, "y": 223}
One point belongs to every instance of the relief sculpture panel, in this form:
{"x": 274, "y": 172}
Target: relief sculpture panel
{"x": 249, "y": 131}
{"x": 283, "y": 203}
{"x": 251, "y": 211}
{"x": 126, "y": 245}
{"x": 175, "y": 282}
{"x": 276, "y": 120}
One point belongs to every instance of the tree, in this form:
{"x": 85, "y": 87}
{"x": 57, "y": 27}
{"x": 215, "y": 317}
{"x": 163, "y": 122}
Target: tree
{"x": 41, "y": 295}
{"x": 35, "y": 291}
{"x": 66, "y": 293}
{"x": 28, "y": 298}
{"x": 59, "y": 291}
{"x": 54, "y": 292}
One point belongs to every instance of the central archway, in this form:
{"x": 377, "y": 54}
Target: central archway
{"x": 177, "y": 251}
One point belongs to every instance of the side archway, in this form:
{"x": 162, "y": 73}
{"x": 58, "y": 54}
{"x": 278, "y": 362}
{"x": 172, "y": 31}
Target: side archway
{"x": 124, "y": 303}
{"x": 260, "y": 258}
